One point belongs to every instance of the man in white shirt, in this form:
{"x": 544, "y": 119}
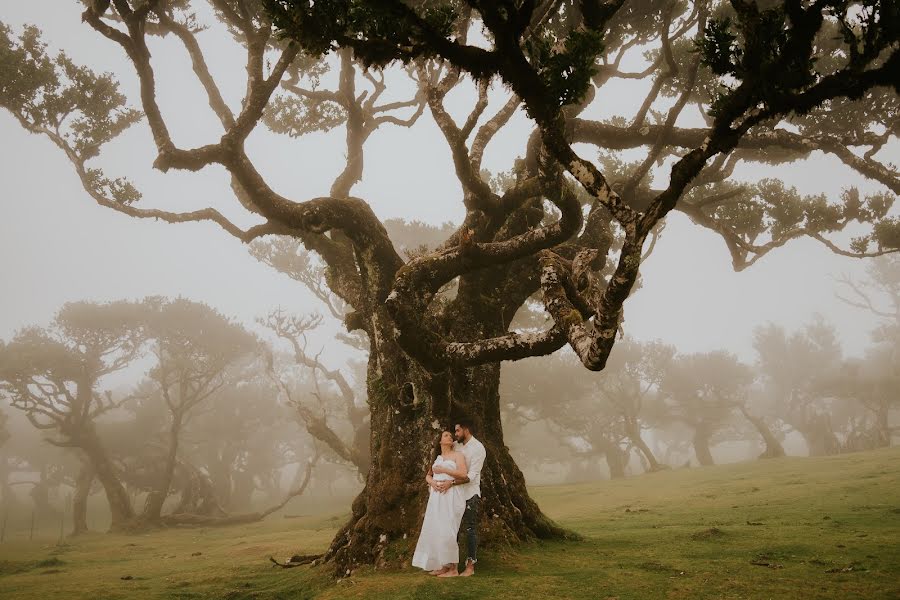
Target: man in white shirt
{"x": 475, "y": 454}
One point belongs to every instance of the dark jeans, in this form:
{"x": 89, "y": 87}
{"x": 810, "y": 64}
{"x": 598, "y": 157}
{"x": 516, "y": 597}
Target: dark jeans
{"x": 470, "y": 526}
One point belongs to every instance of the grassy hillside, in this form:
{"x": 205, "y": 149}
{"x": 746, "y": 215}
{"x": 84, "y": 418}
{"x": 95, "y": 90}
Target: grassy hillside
{"x": 787, "y": 528}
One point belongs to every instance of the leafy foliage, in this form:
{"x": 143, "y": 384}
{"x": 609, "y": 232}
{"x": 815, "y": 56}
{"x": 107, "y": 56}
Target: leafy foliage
{"x": 566, "y": 73}
{"x": 774, "y": 51}
{"x": 85, "y": 109}
{"x": 295, "y": 116}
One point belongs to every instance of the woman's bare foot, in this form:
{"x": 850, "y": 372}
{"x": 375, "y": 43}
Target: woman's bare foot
{"x": 440, "y": 571}
{"x": 450, "y": 573}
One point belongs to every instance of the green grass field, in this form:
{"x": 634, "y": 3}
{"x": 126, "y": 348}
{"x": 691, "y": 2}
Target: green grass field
{"x": 786, "y": 528}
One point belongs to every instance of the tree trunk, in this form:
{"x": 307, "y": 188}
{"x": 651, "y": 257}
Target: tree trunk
{"x": 242, "y": 493}
{"x": 40, "y": 496}
{"x": 701, "y": 446}
{"x": 408, "y": 410}
{"x": 616, "y": 458}
{"x": 882, "y": 425}
{"x": 120, "y": 508}
{"x": 198, "y": 496}
{"x": 633, "y": 431}
{"x": 219, "y": 469}
{"x": 7, "y": 497}
{"x": 79, "y": 500}
{"x": 774, "y": 449}
{"x": 271, "y": 486}
{"x": 616, "y": 462}
{"x": 819, "y": 436}
{"x": 157, "y": 497}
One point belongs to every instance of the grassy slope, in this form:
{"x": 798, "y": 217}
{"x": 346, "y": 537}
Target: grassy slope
{"x": 680, "y": 534}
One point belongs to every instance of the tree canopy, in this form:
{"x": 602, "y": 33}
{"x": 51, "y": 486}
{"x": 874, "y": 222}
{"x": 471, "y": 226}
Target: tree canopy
{"x": 774, "y": 81}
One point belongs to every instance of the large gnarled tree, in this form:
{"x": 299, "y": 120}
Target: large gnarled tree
{"x": 439, "y": 324}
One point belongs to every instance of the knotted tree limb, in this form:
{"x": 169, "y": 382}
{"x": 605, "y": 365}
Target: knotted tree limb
{"x": 416, "y": 283}
{"x": 315, "y": 216}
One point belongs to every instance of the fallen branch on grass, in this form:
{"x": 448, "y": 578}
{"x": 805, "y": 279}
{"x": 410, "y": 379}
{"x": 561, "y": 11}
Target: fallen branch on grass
{"x": 188, "y": 519}
{"x": 296, "y": 560}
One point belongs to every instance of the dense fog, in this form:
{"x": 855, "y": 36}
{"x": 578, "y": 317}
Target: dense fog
{"x": 263, "y": 423}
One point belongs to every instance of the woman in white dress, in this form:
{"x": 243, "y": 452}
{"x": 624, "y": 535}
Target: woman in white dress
{"x": 437, "y": 550}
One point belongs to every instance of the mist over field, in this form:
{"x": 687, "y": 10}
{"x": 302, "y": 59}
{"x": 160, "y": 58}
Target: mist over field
{"x": 259, "y": 254}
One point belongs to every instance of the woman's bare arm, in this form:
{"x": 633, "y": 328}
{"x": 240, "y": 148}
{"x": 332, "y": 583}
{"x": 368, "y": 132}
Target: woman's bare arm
{"x": 461, "y": 470}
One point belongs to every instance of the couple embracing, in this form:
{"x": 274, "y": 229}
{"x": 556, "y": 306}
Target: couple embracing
{"x": 454, "y": 498}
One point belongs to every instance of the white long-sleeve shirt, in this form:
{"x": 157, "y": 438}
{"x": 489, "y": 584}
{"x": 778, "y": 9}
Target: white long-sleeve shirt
{"x": 475, "y": 454}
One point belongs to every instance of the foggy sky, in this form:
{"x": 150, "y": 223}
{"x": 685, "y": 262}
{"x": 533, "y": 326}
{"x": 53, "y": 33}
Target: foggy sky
{"x": 57, "y": 245}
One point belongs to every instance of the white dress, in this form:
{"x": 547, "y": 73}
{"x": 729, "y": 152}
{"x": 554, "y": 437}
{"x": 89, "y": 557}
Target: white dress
{"x": 437, "y": 542}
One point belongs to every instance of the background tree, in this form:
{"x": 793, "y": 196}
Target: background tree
{"x": 635, "y": 375}
{"x": 754, "y": 407}
{"x": 4, "y": 428}
{"x": 700, "y": 391}
{"x": 567, "y": 405}
{"x": 53, "y": 374}
{"x": 195, "y": 346}
{"x": 440, "y": 323}
{"x": 793, "y": 367}
{"x": 320, "y": 404}
{"x": 244, "y": 442}
{"x": 870, "y": 384}
{"x": 872, "y": 380}
{"x": 5, "y": 492}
